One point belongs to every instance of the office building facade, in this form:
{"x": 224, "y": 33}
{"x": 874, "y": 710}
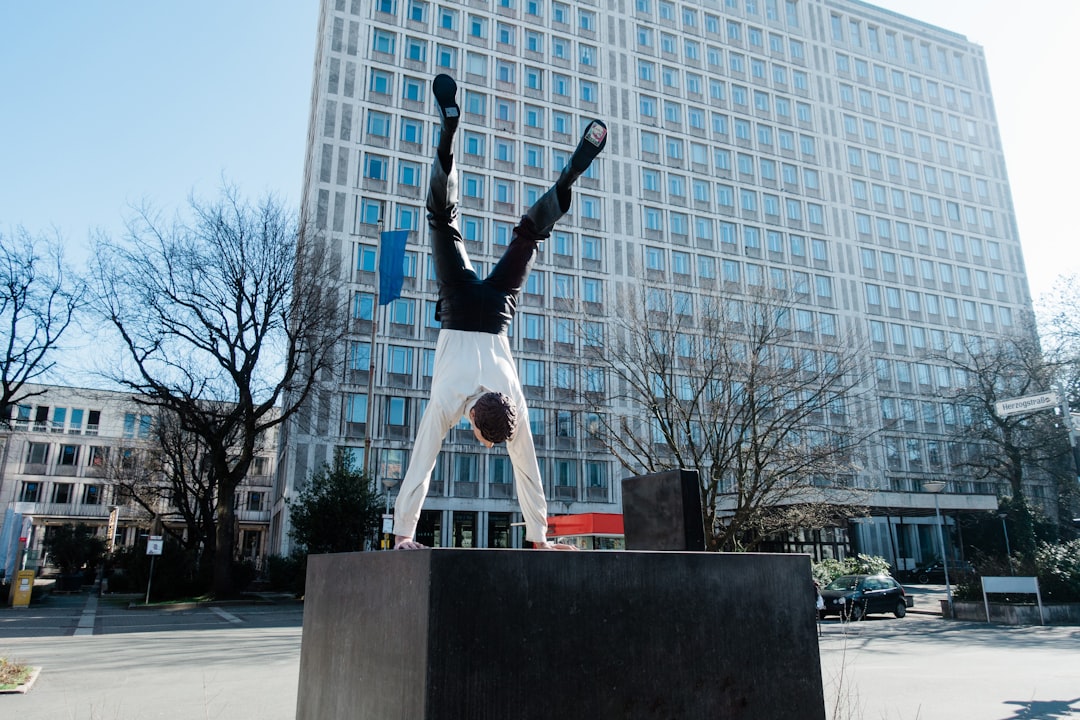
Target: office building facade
{"x": 829, "y": 146}
{"x": 71, "y": 456}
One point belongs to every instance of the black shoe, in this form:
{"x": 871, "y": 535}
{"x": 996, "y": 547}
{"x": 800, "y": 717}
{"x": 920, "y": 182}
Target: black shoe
{"x": 592, "y": 142}
{"x": 444, "y": 89}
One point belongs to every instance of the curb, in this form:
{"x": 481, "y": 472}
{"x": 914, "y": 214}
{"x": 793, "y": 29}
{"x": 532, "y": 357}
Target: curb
{"x": 25, "y": 687}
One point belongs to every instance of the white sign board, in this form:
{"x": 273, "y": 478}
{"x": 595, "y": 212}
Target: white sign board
{"x": 1019, "y": 585}
{"x": 154, "y": 545}
{"x": 1028, "y": 403}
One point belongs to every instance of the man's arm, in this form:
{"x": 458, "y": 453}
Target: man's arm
{"x": 527, "y": 482}
{"x": 439, "y": 416}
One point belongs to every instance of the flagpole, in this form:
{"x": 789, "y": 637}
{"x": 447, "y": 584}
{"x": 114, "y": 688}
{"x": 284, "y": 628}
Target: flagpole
{"x": 369, "y": 425}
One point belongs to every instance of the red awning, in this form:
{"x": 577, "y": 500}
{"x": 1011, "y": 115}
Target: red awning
{"x": 585, "y": 524}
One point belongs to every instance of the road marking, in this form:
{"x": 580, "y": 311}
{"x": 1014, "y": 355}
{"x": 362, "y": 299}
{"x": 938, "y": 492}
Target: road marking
{"x": 89, "y": 613}
{"x": 225, "y": 615}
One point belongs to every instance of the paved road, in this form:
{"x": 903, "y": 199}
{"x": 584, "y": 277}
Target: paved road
{"x": 231, "y": 662}
{"x": 103, "y": 661}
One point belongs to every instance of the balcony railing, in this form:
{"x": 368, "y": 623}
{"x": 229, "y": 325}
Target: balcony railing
{"x": 261, "y": 517}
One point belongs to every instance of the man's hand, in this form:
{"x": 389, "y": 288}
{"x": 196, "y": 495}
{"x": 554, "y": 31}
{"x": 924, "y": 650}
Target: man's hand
{"x": 406, "y": 543}
{"x": 553, "y": 546}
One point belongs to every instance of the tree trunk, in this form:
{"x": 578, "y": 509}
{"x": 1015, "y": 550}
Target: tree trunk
{"x": 226, "y": 518}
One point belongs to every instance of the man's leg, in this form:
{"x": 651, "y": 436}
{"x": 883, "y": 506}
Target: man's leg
{"x": 452, "y": 263}
{"x": 535, "y": 226}
{"x": 592, "y": 142}
{"x": 444, "y": 89}
{"x": 553, "y": 204}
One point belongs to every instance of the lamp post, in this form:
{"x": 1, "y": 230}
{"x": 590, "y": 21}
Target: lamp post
{"x": 1008, "y": 550}
{"x": 934, "y": 487}
{"x": 389, "y": 484}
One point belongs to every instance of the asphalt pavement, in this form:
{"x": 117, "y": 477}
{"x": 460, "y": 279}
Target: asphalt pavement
{"x": 102, "y": 660}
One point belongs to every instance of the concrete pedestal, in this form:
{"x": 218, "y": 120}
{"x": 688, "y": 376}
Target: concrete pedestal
{"x": 535, "y": 635}
{"x": 662, "y": 511}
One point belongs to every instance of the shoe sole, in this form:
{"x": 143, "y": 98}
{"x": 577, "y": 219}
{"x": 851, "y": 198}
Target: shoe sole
{"x": 444, "y": 89}
{"x": 596, "y": 134}
{"x": 592, "y": 142}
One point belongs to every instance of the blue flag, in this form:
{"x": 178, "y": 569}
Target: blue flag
{"x": 391, "y": 265}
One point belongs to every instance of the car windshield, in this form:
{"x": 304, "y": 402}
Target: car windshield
{"x": 844, "y": 582}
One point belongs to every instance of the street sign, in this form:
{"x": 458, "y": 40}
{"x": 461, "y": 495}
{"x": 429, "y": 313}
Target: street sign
{"x": 114, "y": 521}
{"x": 154, "y": 545}
{"x": 1026, "y": 404}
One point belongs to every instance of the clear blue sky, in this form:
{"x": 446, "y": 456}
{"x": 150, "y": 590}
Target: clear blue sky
{"x": 107, "y": 103}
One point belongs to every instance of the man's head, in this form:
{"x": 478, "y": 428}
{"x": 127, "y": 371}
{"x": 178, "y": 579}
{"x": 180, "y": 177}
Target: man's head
{"x": 494, "y": 418}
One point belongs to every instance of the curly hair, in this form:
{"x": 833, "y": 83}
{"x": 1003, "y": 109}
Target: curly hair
{"x": 495, "y": 417}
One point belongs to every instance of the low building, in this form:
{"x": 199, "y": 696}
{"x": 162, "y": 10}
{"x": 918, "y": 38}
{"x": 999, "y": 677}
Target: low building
{"x": 68, "y": 456}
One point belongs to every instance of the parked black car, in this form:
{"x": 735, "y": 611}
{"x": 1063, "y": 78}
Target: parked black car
{"x": 853, "y": 597}
{"x": 935, "y": 572}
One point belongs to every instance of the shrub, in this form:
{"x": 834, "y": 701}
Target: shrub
{"x": 73, "y": 548}
{"x": 829, "y": 569}
{"x": 176, "y": 572}
{"x": 287, "y": 573}
{"x": 1058, "y": 569}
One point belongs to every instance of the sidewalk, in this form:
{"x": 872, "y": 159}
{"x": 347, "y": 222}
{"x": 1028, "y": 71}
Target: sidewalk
{"x": 927, "y": 598}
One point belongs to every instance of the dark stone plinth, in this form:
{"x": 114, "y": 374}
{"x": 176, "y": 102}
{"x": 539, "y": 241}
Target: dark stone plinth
{"x": 534, "y": 635}
{"x": 662, "y": 511}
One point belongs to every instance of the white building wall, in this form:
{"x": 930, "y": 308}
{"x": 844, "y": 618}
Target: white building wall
{"x": 54, "y": 469}
{"x": 847, "y": 147}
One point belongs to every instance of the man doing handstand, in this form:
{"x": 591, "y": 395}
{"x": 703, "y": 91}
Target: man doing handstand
{"x": 475, "y": 374}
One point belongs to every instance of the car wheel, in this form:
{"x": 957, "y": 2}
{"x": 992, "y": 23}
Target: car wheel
{"x": 856, "y": 613}
{"x": 901, "y": 609}
{"x": 924, "y": 578}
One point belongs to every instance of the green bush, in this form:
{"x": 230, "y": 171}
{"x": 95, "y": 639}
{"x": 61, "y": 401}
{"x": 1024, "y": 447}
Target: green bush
{"x": 176, "y": 572}
{"x": 287, "y": 573}
{"x": 73, "y": 548}
{"x": 1057, "y": 566}
{"x": 829, "y": 569}
{"x": 1058, "y": 569}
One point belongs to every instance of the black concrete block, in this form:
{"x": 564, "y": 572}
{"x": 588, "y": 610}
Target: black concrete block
{"x": 662, "y": 511}
{"x": 533, "y": 635}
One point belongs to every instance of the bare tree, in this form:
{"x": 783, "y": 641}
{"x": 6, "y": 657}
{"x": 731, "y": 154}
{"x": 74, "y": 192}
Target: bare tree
{"x": 1013, "y": 449}
{"x": 990, "y": 371}
{"x": 740, "y": 390}
{"x": 39, "y": 299}
{"x": 168, "y": 479}
{"x": 1059, "y": 325}
{"x": 227, "y": 321}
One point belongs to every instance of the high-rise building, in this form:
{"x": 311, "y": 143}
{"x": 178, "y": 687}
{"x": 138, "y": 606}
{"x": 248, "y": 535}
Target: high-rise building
{"x": 841, "y": 148}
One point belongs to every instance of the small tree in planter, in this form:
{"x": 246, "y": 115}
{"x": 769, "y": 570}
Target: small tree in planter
{"x": 76, "y": 551}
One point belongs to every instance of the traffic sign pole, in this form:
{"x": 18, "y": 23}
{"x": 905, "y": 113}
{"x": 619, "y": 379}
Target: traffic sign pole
{"x": 153, "y": 549}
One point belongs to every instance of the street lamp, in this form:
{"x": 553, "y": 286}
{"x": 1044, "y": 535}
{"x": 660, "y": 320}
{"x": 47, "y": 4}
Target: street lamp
{"x": 934, "y": 487}
{"x": 1008, "y": 550}
{"x": 389, "y": 484}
